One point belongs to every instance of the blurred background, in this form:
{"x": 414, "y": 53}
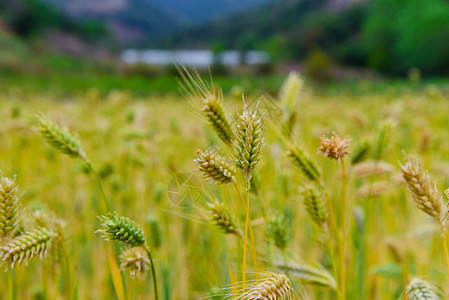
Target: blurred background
{"x": 107, "y": 44}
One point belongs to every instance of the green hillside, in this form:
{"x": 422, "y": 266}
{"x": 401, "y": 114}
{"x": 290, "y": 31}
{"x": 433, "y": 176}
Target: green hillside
{"x": 389, "y": 36}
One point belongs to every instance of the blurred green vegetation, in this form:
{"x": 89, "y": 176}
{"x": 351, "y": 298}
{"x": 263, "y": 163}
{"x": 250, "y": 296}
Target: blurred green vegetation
{"x": 388, "y": 36}
{"x": 30, "y": 18}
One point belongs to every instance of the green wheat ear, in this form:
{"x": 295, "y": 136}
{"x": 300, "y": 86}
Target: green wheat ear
{"x": 278, "y": 231}
{"x": 60, "y": 137}
{"x": 304, "y": 163}
{"x": 316, "y": 205}
{"x": 274, "y": 286}
{"x": 249, "y": 141}
{"x": 360, "y": 152}
{"x": 122, "y": 229}
{"x": 9, "y": 206}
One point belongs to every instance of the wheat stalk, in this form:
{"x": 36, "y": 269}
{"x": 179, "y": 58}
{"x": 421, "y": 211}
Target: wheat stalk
{"x": 9, "y": 206}
{"x": 26, "y": 246}
{"x": 122, "y": 229}
{"x": 248, "y": 145}
{"x": 337, "y": 148}
{"x": 214, "y": 166}
{"x": 419, "y": 289}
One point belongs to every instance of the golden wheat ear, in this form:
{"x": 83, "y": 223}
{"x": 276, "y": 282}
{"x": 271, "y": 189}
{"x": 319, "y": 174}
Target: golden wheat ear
{"x": 422, "y": 189}
{"x": 274, "y": 286}
{"x": 334, "y": 147}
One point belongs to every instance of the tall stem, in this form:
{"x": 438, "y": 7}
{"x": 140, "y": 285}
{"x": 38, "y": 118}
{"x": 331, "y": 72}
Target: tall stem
{"x": 251, "y": 233}
{"x": 100, "y": 184}
{"x": 343, "y": 235}
{"x": 11, "y": 285}
{"x": 446, "y": 253}
{"x": 245, "y": 240}
{"x": 153, "y": 272}
{"x": 66, "y": 258}
{"x": 332, "y": 254}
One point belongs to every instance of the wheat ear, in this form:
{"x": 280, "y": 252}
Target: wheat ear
{"x": 248, "y": 145}
{"x": 274, "y": 287}
{"x": 278, "y": 231}
{"x": 214, "y": 166}
{"x": 422, "y": 189}
{"x": 289, "y": 93}
{"x": 419, "y": 289}
{"x": 60, "y": 137}
{"x": 249, "y": 141}
{"x": 308, "y": 274}
{"x": 122, "y": 229}
{"x": 334, "y": 147}
{"x": 9, "y": 206}
{"x": 316, "y": 206}
{"x": 337, "y": 148}
{"x": 304, "y": 163}
{"x": 360, "y": 152}
{"x": 211, "y": 102}
{"x": 381, "y": 145}
{"x": 223, "y": 219}
{"x": 26, "y": 246}
{"x": 136, "y": 261}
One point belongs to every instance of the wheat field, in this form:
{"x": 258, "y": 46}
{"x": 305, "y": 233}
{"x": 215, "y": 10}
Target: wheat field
{"x": 340, "y": 202}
